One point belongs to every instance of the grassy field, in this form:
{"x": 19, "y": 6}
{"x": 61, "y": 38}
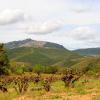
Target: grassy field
{"x": 83, "y": 89}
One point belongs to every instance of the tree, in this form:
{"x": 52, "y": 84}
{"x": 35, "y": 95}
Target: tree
{"x": 51, "y": 69}
{"x": 4, "y": 62}
{"x": 38, "y": 69}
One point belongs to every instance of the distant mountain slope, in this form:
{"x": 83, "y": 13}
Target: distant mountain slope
{"x": 40, "y": 52}
{"x": 32, "y": 43}
{"x": 88, "y": 63}
{"x": 88, "y": 51}
{"x": 43, "y": 56}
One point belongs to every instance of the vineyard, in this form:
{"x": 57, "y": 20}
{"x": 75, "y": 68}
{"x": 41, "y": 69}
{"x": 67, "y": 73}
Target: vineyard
{"x": 38, "y": 87}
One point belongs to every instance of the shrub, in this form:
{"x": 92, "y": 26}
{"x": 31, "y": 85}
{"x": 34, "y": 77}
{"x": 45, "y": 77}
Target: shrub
{"x": 21, "y": 84}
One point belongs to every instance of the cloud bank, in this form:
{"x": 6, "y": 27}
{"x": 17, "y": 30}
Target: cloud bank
{"x": 83, "y": 33}
{"x": 44, "y": 28}
{"x": 80, "y": 18}
{"x": 9, "y": 16}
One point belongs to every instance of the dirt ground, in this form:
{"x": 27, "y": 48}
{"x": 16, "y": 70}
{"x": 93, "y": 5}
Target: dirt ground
{"x": 62, "y": 96}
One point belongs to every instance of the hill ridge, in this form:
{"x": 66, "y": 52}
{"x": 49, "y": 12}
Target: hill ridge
{"x": 32, "y": 43}
{"x": 89, "y": 51}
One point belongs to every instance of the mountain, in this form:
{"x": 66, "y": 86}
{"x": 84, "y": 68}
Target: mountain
{"x": 30, "y": 52}
{"x": 32, "y": 43}
{"x": 40, "y": 52}
{"x": 89, "y": 51}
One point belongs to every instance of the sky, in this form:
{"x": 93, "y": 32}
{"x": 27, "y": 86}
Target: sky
{"x": 72, "y": 23}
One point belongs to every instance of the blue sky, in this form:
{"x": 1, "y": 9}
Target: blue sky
{"x": 73, "y": 23}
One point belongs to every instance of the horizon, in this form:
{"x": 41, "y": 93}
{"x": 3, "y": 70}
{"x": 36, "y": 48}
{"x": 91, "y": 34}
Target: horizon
{"x": 75, "y": 24}
{"x": 50, "y": 42}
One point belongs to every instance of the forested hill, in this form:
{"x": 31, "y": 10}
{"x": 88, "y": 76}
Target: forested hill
{"x": 39, "y": 52}
{"x": 89, "y": 51}
{"x": 43, "y": 56}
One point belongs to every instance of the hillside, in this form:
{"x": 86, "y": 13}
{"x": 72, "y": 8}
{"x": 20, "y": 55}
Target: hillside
{"x": 88, "y": 51}
{"x": 39, "y": 52}
{"x": 44, "y": 56}
{"x": 88, "y": 63}
{"x": 50, "y": 54}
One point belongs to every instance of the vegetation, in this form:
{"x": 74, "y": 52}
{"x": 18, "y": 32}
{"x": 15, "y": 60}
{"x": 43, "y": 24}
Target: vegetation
{"x": 47, "y": 74}
{"x": 43, "y": 56}
{"x": 49, "y": 87}
{"x": 4, "y": 62}
{"x": 88, "y": 51}
{"x": 88, "y": 64}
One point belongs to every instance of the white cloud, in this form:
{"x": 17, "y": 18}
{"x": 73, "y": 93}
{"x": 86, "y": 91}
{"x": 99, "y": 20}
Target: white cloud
{"x": 80, "y": 10}
{"x": 76, "y": 14}
{"x": 44, "y": 28}
{"x": 83, "y": 33}
{"x": 9, "y": 16}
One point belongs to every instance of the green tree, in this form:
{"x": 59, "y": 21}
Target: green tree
{"x": 38, "y": 69}
{"x": 4, "y": 62}
{"x": 51, "y": 69}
